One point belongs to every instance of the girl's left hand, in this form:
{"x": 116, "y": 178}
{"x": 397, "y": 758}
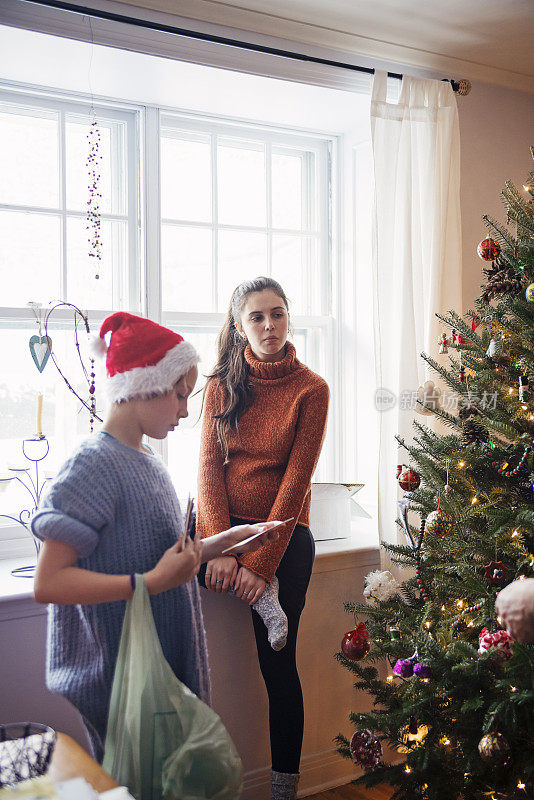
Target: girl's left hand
{"x": 249, "y": 586}
{"x": 221, "y": 573}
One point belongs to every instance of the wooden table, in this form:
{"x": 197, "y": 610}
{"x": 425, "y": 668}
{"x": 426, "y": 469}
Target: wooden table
{"x": 69, "y": 760}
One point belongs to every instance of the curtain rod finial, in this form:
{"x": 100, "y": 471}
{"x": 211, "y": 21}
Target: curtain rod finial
{"x": 461, "y": 87}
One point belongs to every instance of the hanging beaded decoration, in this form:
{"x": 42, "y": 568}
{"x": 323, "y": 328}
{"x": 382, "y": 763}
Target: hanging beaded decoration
{"x": 504, "y": 468}
{"x": 468, "y": 610}
{"x": 89, "y": 404}
{"x": 93, "y": 164}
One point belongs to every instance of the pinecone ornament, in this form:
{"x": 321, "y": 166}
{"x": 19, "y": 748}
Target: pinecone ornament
{"x": 469, "y": 407}
{"x": 502, "y": 279}
{"x": 473, "y": 433}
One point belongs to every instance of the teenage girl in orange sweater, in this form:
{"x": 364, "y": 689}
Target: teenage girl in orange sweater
{"x": 264, "y": 423}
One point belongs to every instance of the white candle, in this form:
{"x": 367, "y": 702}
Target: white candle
{"x": 39, "y": 414}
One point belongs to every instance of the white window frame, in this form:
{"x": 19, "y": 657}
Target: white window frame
{"x": 325, "y": 324}
{"x": 14, "y": 539}
{"x": 144, "y": 247}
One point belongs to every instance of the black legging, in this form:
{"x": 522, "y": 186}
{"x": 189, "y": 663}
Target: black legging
{"x": 279, "y": 669}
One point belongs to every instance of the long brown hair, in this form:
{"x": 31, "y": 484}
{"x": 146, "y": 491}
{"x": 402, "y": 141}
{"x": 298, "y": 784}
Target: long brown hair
{"x": 231, "y": 368}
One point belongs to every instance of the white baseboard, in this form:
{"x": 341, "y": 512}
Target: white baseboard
{"x": 318, "y": 772}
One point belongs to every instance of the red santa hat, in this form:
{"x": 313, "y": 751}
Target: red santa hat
{"x": 143, "y": 359}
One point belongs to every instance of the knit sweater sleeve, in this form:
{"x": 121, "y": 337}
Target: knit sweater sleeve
{"x": 79, "y": 503}
{"x": 295, "y": 484}
{"x": 213, "y": 513}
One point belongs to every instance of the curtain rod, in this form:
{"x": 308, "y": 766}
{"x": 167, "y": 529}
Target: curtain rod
{"x": 461, "y": 87}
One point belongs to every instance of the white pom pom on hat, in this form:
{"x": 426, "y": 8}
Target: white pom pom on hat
{"x": 97, "y": 346}
{"x": 143, "y": 358}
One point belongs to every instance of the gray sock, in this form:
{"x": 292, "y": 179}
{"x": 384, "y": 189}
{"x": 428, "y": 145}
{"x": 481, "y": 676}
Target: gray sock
{"x": 269, "y": 608}
{"x": 284, "y": 785}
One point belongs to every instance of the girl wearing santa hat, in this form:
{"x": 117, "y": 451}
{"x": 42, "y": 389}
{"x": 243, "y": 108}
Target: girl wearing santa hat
{"x": 111, "y": 513}
{"x": 263, "y": 428}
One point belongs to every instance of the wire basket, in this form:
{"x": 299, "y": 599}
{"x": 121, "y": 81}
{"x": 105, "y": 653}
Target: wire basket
{"x": 25, "y": 751}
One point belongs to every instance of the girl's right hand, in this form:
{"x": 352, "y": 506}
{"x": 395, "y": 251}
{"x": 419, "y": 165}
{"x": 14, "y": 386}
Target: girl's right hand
{"x": 179, "y": 564}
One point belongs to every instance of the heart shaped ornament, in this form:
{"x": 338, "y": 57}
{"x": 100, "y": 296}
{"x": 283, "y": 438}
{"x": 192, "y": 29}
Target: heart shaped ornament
{"x": 40, "y": 349}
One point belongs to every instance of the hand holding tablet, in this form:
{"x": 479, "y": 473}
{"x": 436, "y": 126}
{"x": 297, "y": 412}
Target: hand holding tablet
{"x": 238, "y": 548}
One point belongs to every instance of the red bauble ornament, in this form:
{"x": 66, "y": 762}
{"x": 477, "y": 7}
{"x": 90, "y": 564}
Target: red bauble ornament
{"x": 499, "y": 642}
{"x": 355, "y": 644}
{"x": 488, "y": 249}
{"x": 494, "y": 748}
{"x": 365, "y": 749}
{"x": 409, "y": 480}
{"x": 495, "y": 573}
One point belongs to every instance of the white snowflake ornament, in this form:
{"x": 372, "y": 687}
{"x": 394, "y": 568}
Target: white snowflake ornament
{"x": 380, "y": 585}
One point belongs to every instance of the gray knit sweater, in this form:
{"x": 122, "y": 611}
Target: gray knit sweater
{"x": 118, "y": 508}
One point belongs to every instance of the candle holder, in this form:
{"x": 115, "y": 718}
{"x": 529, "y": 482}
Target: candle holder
{"x": 34, "y": 450}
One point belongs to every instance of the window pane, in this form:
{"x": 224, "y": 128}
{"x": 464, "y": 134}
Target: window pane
{"x": 29, "y": 163}
{"x": 241, "y": 180}
{"x": 184, "y": 443}
{"x": 82, "y": 287}
{"x": 186, "y": 268}
{"x": 287, "y": 190}
{"x": 64, "y": 421}
{"x": 186, "y": 178}
{"x": 300, "y": 340}
{"x": 289, "y": 270}
{"x": 112, "y": 166}
{"x": 242, "y": 255}
{"x": 30, "y": 257}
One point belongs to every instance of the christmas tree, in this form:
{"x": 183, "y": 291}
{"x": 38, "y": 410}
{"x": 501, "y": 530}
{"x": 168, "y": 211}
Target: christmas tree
{"x": 456, "y": 702}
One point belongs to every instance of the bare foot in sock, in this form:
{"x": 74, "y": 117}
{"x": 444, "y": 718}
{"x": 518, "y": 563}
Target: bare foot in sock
{"x": 269, "y": 608}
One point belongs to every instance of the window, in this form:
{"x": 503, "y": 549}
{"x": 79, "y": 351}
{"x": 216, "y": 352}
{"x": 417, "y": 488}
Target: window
{"x": 44, "y": 258}
{"x": 233, "y": 201}
{"x": 238, "y": 202}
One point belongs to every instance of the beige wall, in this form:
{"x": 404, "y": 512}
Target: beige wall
{"x": 496, "y": 128}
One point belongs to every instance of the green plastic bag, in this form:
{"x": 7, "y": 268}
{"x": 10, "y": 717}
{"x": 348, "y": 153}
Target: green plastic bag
{"x": 162, "y": 742}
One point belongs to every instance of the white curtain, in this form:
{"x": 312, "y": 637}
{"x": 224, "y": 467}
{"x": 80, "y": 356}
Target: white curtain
{"x": 416, "y": 257}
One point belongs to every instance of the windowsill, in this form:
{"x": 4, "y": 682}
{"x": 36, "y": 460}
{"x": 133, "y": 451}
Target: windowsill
{"x": 363, "y": 536}
{"x": 12, "y": 588}
{"x": 359, "y": 548}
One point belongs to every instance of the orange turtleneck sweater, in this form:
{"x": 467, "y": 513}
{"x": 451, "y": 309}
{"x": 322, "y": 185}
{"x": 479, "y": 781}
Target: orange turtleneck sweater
{"x": 271, "y": 458}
